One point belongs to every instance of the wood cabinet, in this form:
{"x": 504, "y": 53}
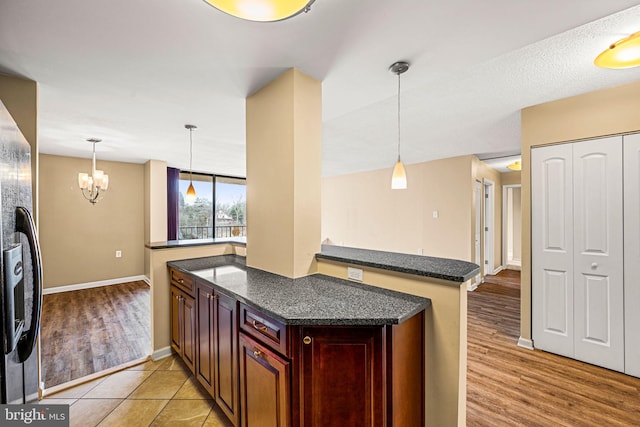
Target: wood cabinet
{"x": 362, "y": 375}
{"x": 183, "y": 326}
{"x": 262, "y": 372}
{"x": 265, "y": 385}
{"x": 342, "y": 376}
{"x": 217, "y": 348}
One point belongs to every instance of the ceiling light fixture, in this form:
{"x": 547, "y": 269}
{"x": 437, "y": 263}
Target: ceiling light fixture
{"x": 94, "y": 185}
{"x": 515, "y": 166}
{"x": 191, "y": 192}
{"x": 624, "y": 53}
{"x": 399, "y": 176}
{"x": 262, "y": 10}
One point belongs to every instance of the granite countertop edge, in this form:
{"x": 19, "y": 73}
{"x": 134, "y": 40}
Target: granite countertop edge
{"x": 169, "y": 244}
{"x": 419, "y": 303}
{"x": 447, "y": 269}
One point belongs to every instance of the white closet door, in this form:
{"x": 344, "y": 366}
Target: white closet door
{"x": 632, "y": 253}
{"x": 598, "y": 252}
{"x": 552, "y": 248}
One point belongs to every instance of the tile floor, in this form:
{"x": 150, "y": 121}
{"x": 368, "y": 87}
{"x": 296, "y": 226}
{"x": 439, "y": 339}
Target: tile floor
{"x": 162, "y": 393}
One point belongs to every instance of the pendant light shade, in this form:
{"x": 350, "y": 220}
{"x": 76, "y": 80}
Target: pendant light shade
{"x": 399, "y": 176}
{"x": 624, "y": 53}
{"x": 191, "y": 192}
{"x": 262, "y": 10}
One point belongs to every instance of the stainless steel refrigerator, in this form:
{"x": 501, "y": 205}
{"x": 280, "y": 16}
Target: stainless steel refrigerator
{"x": 20, "y": 268}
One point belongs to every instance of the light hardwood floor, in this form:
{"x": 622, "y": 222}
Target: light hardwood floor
{"x": 91, "y": 330}
{"x": 511, "y": 386}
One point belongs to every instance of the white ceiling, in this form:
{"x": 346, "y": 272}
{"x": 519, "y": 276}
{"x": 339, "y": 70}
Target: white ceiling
{"x": 133, "y": 72}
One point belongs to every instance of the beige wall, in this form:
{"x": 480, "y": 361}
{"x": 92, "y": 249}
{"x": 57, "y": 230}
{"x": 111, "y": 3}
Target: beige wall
{"x": 20, "y": 96}
{"x": 605, "y": 112}
{"x": 155, "y": 206}
{"x": 78, "y": 239}
{"x": 510, "y": 178}
{"x": 284, "y": 125}
{"x": 445, "y": 337}
{"x": 360, "y": 210}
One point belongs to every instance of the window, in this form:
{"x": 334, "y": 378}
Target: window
{"x": 219, "y": 210}
{"x": 231, "y": 207}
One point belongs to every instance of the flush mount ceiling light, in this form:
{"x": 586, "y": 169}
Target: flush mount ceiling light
{"x": 93, "y": 186}
{"x": 624, "y": 53}
{"x": 262, "y": 10}
{"x": 191, "y": 192}
{"x": 399, "y": 176}
{"x": 515, "y": 166}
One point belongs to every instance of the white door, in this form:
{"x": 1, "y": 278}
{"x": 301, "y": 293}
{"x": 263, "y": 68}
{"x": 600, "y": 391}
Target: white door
{"x": 478, "y": 233}
{"x": 598, "y": 252}
{"x": 632, "y": 253}
{"x": 552, "y": 248}
{"x": 488, "y": 226}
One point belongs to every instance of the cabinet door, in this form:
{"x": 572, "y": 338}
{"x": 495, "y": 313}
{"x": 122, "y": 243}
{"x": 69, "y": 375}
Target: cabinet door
{"x": 598, "y": 252}
{"x": 264, "y": 386}
{"x": 189, "y": 343}
{"x": 204, "y": 345}
{"x": 176, "y": 322}
{"x": 226, "y": 355}
{"x": 552, "y": 248}
{"x": 632, "y": 253}
{"x": 342, "y": 377}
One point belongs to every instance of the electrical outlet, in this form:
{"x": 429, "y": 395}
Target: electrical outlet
{"x": 435, "y": 214}
{"x": 419, "y": 251}
{"x": 354, "y": 273}
{"x": 118, "y": 254}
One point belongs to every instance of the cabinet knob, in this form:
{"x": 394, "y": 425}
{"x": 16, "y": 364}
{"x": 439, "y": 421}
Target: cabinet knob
{"x": 181, "y": 281}
{"x": 257, "y": 354}
{"x": 259, "y": 326}
{"x": 594, "y": 265}
{"x": 178, "y": 297}
{"x": 215, "y": 296}
{"x": 306, "y": 340}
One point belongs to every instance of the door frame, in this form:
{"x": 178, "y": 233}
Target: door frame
{"x": 505, "y": 234}
{"x": 488, "y": 225}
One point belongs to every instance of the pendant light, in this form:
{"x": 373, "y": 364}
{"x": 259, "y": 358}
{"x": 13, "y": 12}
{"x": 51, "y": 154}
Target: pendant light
{"x": 399, "y": 176}
{"x": 191, "y": 192}
{"x": 624, "y": 53}
{"x": 262, "y": 10}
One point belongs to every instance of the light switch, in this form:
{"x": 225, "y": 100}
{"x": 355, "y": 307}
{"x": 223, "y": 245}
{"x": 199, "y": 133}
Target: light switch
{"x": 435, "y": 214}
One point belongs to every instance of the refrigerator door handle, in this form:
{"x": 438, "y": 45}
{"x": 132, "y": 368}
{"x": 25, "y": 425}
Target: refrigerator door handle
{"x": 25, "y": 225}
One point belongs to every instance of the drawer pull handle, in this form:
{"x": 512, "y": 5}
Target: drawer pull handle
{"x": 306, "y": 340}
{"x": 178, "y": 297}
{"x": 215, "y": 296}
{"x": 257, "y": 354}
{"x": 259, "y": 326}
{"x": 181, "y": 281}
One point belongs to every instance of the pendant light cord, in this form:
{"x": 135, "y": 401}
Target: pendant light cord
{"x": 190, "y": 155}
{"x": 398, "y": 116}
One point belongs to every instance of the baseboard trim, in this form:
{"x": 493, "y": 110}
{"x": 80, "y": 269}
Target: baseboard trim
{"x": 525, "y": 343}
{"x": 89, "y": 285}
{"x": 497, "y": 270}
{"x": 161, "y": 354}
{"x": 147, "y": 280}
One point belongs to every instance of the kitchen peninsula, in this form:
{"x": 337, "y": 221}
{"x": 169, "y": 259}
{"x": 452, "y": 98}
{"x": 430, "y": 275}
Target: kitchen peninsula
{"x": 315, "y": 348}
{"x": 275, "y": 315}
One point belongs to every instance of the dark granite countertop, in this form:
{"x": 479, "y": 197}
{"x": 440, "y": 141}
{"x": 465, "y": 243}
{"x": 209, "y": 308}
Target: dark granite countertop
{"x": 241, "y": 241}
{"x": 312, "y": 300}
{"x": 439, "y": 268}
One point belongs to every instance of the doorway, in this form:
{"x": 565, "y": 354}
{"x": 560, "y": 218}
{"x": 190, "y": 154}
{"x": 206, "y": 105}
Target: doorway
{"x": 489, "y": 186}
{"x": 511, "y": 227}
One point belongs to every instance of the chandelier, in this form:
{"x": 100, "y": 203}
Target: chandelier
{"x": 93, "y": 186}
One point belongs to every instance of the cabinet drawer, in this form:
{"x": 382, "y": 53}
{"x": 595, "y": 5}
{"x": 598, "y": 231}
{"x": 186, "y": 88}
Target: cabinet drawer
{"x": 266, "y": 329}
{"x": 183, "y": 281}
